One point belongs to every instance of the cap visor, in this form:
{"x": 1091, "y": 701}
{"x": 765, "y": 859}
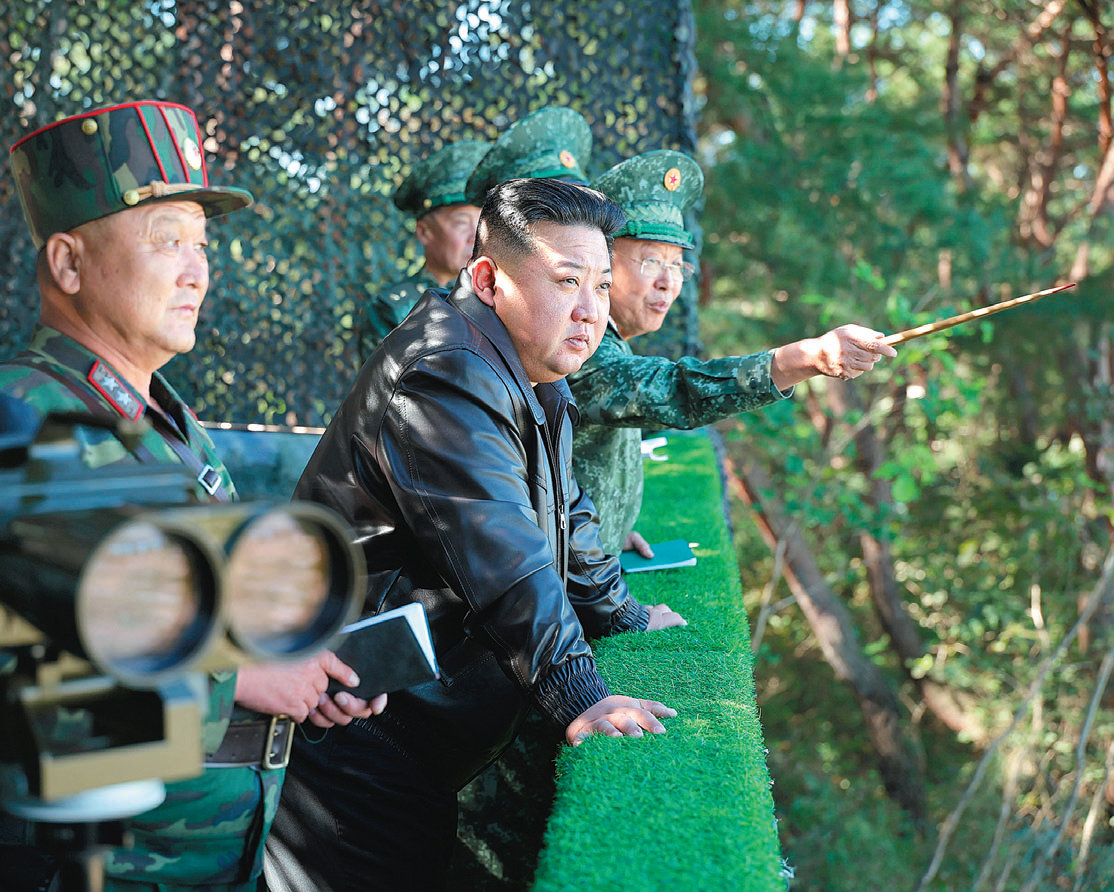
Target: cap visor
{"x": 214, "y": 202}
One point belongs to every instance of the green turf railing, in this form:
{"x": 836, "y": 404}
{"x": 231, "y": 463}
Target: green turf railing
{"x": 690, "y": 809}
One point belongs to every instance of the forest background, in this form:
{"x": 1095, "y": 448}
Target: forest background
{"x": 928, "y": 547}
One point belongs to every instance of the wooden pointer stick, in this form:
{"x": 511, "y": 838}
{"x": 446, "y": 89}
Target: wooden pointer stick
{"x": 921, "y": 330}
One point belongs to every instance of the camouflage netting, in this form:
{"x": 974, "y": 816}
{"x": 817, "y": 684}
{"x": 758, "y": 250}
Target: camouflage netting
{"x": 319, "y": 108}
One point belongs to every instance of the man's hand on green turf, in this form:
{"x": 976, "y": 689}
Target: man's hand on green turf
{"x": 661, "y": 617}
{"x": 636, "y": 542}
{"x": 618, "y": 716}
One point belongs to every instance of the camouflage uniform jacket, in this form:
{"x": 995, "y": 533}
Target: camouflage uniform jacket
{"x": 384, "y": 312}
{"x": 210, "y": 829}
{"x": 618, "y": 393}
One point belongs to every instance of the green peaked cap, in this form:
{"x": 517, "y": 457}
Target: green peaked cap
{"x": 551, "y": 142}
{"x": 94, "y": 164}
{"x": 654, "y": 190}
{"x": 439, "y": 178}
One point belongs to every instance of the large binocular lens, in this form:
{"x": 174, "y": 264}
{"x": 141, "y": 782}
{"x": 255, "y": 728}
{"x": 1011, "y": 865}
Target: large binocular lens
{"x": 293, "y": 580}
{"x": 146, "y": 599}
{"x": 137, "y": 596}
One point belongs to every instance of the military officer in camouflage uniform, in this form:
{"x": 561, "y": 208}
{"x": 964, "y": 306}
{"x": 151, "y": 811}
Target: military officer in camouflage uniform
{"x": 618, "y": 392}
{"x": 117, "y": 201}
{"x": 446, "y": 229}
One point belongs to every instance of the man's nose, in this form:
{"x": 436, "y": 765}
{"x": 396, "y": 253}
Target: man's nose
{"x": 195, "y": 268}
{"x": 586, "y": 309}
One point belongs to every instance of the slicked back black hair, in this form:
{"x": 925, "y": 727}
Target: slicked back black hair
{"x": 512, "y": 209}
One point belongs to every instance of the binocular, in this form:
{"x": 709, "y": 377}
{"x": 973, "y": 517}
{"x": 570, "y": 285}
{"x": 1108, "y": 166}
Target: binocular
{"x": 117, "y": 595}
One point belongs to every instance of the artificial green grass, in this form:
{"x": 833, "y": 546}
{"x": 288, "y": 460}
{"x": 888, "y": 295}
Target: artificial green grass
{"x": 690, "y": 809}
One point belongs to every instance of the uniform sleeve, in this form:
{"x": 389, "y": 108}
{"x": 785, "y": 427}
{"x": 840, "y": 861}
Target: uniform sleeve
{"x": 622, "y": 390}
{"x": 459, "y": 473}
{"x": 597, "y": 591}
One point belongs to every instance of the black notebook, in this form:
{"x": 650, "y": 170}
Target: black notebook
{"x": 389, "y": 652}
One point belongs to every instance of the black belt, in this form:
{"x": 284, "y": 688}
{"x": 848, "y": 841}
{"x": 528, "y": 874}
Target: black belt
{"x": 265, "y": 742}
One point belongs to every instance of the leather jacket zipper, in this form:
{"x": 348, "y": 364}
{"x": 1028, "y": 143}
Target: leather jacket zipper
{"x": 553, "y": 451}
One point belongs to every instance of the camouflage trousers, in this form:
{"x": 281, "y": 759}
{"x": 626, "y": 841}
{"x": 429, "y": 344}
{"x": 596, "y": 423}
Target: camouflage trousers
{"x": 114, "y": 885}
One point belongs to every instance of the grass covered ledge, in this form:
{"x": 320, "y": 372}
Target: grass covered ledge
{"x": 690, "y": 809}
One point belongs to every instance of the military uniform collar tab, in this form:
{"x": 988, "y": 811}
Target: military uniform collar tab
{"x": 116, "y": 390}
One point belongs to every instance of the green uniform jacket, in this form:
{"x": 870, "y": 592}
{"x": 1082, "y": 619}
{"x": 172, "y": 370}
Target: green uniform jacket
{"x": 210, "y": 829}
{"x": 618, "y": 393}
{"x": 385, "y": 312}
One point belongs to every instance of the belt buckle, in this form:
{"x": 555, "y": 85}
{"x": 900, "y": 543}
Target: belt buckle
{"x": 209, "y": 478}
{"x": 273, "y": 730}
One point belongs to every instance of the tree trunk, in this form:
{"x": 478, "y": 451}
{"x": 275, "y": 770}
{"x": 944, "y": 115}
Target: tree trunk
{"x": 901, "y": 771}
{"x": 841, "y": 14}
{"x": 952, "y": 103}
{"x": 886, "y": 595}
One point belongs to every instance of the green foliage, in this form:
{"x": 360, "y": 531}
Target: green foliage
{"x": 841, "y": 188}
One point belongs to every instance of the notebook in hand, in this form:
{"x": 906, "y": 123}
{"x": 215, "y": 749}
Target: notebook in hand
{"x": 675, "y": 553}
{"x": 389, "y": 652}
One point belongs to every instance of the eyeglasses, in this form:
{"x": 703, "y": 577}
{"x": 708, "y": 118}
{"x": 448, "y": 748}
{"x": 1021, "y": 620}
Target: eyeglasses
{"x": 651, "y": 268}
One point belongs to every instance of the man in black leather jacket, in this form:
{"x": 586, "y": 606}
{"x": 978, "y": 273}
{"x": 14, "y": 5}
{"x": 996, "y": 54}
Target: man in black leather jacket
{"x": 451, "y": 458}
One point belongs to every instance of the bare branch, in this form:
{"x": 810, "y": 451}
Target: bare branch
{"x": 985, "y": 78}
{"x": 1105, "y": 586}
{"x": 1092, "y": 819}
{"x": 958, "y": 151}
{"x": 1034, "y": 222}
{"x": 835, "y": 633}
{"x": 765, "y": 608}
{"x": 1009, "y": 792}
{"x": 1080, "y": 757}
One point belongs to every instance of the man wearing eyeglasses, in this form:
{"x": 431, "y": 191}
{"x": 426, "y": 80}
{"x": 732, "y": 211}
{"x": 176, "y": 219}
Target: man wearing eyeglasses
{"x": 619, "y": 392}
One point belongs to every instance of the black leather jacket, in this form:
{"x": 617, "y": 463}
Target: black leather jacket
{"x": 457, "y": 477}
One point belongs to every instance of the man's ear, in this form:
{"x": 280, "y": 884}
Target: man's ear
{"x": 423, "y": 232}
{"x": 483, "y": 270}
{"x": 62, "y": 253}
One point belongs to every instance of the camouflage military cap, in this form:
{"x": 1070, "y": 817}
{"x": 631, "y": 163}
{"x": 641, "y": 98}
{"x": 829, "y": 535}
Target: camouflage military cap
{"x": 551, "y": 142}
{"x": 654, "y": 190}
{"x": 97, "y": 163}
{"x": 439, "y": 179}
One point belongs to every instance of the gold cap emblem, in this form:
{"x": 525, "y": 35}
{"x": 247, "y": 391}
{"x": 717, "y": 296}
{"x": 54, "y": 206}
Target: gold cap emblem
{"x": 672, "y": 179}
{"x": 192, "y": 154}
{"x": 89, "y": 126}
{"x": 566, "y": 159}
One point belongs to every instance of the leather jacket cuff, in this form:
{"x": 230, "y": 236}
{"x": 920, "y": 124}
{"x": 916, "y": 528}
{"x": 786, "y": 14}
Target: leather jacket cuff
{"x": 569, "y": 690}
{"x": 631, "y": 617}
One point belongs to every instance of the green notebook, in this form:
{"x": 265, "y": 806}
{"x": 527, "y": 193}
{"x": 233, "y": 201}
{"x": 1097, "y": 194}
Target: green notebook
{"x": 667, "y": 555}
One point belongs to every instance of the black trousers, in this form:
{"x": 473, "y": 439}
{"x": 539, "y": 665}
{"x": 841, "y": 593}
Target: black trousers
{"x": 357, "y": 814}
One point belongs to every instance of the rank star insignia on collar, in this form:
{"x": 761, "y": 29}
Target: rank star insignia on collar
{"x": 115, "y": 391}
